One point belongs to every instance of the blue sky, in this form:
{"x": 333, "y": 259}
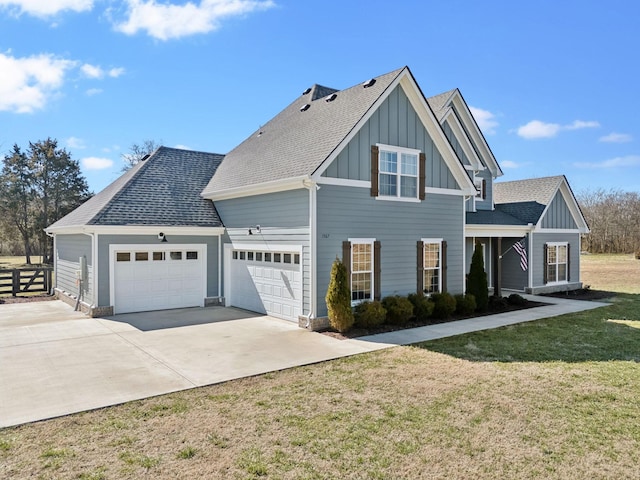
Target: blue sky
{"x": 553, "y": 84}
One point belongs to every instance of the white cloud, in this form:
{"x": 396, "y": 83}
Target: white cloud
{"x": 538, "y": 129}
{"x": 75, "y": 142}
{"x": 165, "y": 21}
{"x": 93, "y": 91}
{"x": 182, "y": 147}
{"x": 95, "y": 71}
{"x": 46, "y": 8}
{"x": 510, "y": 164}
{"x": 628, "y": 161}
{"x": 27, "y": 83}
{"x": 96, "y": 163}
{"x": 485, "y": 120}
{"x": 614, "y": 137}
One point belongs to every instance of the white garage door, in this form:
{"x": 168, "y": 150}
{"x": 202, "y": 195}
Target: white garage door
{"x": 152, "y": 277}
{"x": 266, "y": 282}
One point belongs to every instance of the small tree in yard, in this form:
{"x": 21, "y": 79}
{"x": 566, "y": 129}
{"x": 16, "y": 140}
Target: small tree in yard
{"x": 477, "y": 280}
{"x": 338, "y": 298}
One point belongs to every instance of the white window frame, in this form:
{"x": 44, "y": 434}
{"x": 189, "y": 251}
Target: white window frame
{"x": 478, "y": 182}
{"x": 432, "y": 241}
{"x": 362, "y": 241}
{"x": 555, "y": 246}
{"x": 399, "y": 151}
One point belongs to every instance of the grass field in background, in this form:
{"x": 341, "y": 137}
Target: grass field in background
{"x": 551, "y": 399}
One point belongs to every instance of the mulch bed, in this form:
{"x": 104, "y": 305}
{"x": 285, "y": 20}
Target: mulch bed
{"x": 583, "y": 294}
{"x": 31, "y": 298}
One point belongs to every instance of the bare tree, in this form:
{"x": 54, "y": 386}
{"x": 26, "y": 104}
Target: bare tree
{"x": 138, "y": 152}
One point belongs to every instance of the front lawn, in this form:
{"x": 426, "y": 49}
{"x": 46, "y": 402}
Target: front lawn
{"x": 555, "y": 398}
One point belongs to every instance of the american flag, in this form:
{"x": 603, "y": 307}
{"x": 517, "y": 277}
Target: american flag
{"x": 520, "y": 250}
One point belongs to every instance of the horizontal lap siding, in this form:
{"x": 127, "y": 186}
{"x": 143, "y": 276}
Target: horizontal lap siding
{"x": 345, "y": 212}
{"x": 539, "y": 240}
{"x": 394, "y": 123}
{"x": 279, "y": 211}
{"x": 69, "y": 249}
{"x": 103, "y": 262}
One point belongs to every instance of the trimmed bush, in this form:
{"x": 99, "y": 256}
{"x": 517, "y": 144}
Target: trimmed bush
{"x": 369, "y": 314}
{"x": 465, "y": 304}
{"x": 497, "y": 303}
{"x": 422, "y": 306}
{"x": 477, "y": 280}
{"x": 338, "y": 298}
{"x": 516, "y": 300}
{"x": 443, "y": 305}
{"x": 399, "y": 309}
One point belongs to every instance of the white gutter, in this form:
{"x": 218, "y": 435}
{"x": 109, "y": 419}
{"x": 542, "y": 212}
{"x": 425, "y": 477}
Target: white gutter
{"x": 257, "y": 189}
{"x": 313, "y": 188}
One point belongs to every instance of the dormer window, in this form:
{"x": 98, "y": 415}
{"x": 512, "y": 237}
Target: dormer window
{"x": 481, "y": 188}
{"x": 398, "y": 172}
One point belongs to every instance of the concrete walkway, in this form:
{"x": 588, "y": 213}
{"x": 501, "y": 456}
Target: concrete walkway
{"x": 54, "y": 361}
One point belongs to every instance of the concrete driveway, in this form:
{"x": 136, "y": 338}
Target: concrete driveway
{"x": 54, "y": 361}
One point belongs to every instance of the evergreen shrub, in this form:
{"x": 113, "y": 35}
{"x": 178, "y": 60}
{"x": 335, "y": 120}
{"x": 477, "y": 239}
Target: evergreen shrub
{"x": 477, "y": 280}
{"x": 516, "y": 300}
{"x": 422, "y": 306}
{"x": 399, "y": 309}
{"x": 444, "y": 304}
{"x": 465, "y": 304}
{"x": 369, "y": 314}
{"x": 338, "y": 298}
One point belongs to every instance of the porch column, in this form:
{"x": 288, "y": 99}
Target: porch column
{"x": 497, "y": 266}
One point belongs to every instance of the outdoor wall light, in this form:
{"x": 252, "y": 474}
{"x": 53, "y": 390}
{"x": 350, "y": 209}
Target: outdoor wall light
{"x": 162, "y": 237}
{"x": 254, "y": 229}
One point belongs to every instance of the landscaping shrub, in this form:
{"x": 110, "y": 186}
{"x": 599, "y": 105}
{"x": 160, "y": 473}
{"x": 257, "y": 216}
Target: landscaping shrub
{"x": 338, "y": 298}
{"x": 422, "y": 306}
{"x": 399, "y": 309}
{"x": 477, "y": 280}
{"x": 444, "y": 304}
{"x": 516, "y": 300}
{"x": 369, "y": 314}
{"x": 465, "y": 304}
{"x": 497, "y": 303}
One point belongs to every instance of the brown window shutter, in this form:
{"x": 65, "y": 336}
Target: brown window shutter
{"x": 568, "y": 262}
{"x": 420, "y": 258}
{"x": 484, "y": 189}
{"x": 545, "y": 276}
{"x": 374, "y": 170}
{"x": 376, "y": 270}
{"x": 423, "y": 175}
{"x": 444, "y": 266}
{"x": 346, "y": 257}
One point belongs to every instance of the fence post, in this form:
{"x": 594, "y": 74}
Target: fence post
{"x": 15, "y": 288}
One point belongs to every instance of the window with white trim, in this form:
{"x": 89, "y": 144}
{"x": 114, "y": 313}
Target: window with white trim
{"x": 481, "y": 186}
{"x": 361, "y": 270}
{"x": 398, "y": 172}
{"x": 557, "y": 262}
{"x": 432, "y": 266}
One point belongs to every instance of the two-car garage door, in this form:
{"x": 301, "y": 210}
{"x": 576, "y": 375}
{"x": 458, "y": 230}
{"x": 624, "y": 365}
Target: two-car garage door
{"x": 265, "y": 281}
{"x": 157, "y": 277}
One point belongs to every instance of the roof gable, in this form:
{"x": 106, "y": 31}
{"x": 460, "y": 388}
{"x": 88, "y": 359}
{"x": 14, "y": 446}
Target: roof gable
{"x": 161, "y": 190}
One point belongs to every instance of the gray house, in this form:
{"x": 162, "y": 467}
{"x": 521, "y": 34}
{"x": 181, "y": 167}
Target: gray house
{"x": 398, "y": 186}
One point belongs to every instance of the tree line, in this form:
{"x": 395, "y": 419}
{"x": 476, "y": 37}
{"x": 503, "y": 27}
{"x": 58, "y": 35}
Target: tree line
{"x": 38, "y": 186}
{"x": 614, "y": 220}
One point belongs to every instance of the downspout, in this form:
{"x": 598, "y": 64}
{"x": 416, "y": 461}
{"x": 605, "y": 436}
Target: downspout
{"x": 219, "y": 267}
{"x": 94, "y": 264}
{"x": 313, "y": 195}
{"x": 55, "y": 259}
{"x": 530, "y": 251}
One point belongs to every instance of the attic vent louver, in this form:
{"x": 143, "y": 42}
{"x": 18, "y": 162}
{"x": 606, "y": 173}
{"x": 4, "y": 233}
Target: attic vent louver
{"x": 305, "y": 107}
{"x": 145, "y": 157}
{"x": 308, "y": 90}
{"x": 331, "y": 97}
{"x": 369, "y": 83}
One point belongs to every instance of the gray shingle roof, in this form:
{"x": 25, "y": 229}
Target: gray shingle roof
{"x": 492, "y": 217}
{"x": 541, "y": 190}
{"x": 438, "y": 102}
{"x": 162, "y": 190}
{"x": 295, "y": 143}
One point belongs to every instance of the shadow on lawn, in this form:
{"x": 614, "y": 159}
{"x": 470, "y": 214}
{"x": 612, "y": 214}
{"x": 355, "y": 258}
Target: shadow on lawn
{"x": 604, "y": 334}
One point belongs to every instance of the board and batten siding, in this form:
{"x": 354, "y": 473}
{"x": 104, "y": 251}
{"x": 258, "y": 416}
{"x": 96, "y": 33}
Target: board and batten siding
{"x": 104, "y": 241}
{"x": 558, "y": 214}
{"x": 69, "y": 249}
{"x": 539, "y": 241}
{"x": 347, "y": 212}
{"x": 395, "y": 123}
{"x": 457, "y": 147}
{"x": 284, "y": 220}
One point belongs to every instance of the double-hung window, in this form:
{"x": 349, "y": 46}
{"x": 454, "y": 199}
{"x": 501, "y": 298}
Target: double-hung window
{"x": 557, "y": 262}
{"x": 398, "y": 172}
{"x": 361, "y": 270}
{"x": 431, "y": 268}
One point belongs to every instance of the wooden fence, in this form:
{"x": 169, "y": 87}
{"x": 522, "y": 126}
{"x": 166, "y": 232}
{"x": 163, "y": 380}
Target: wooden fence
{"x": 25, "y": 280}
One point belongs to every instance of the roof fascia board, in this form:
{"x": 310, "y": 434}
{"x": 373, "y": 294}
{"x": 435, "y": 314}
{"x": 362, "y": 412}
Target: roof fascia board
{"x": 458, "y": 100}
{"x": 138, "y": 230}
{"x": 459, "y": 132}
{"x": 422, "y": 108}
{"x": 345, "y": 141}
{"x": 496, "y": 230}
{"x": 273, "y": 186}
